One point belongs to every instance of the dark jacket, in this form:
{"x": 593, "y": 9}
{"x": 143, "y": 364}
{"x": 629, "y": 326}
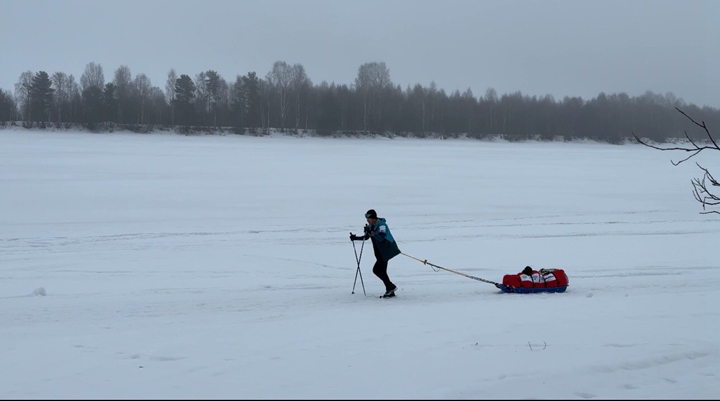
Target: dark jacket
{"x": 383, "y": 242}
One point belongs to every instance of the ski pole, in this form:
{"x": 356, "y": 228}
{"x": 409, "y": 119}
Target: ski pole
{"x": 358, "y": 266}
{"x": 453, "y": 271}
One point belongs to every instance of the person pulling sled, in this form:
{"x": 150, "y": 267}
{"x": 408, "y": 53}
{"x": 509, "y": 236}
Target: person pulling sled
{"x": 384, "y": 246}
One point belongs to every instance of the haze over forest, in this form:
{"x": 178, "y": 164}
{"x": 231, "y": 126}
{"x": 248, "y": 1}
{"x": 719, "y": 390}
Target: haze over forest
{"x": 287, "y": 98}
{"x": 513, "y": 68}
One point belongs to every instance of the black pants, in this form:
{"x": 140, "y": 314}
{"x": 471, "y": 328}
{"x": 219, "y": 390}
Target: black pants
{"x": 380, "y": 270}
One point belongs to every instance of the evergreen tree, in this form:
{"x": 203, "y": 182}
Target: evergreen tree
{"x": 41, "y": 96}
{"x": 92, "y": 101}
{"x": 184, "y": 97}
{"x": 212, "y": 85}
{"x": 110, "y": 102}
{"x": 238, "y": 102}
{"x": 251, "y": 86}
{"x": 8, "y": 108}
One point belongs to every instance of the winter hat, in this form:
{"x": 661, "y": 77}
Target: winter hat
{"x": 371, "y": 214}
{"x": 527, "y": 270}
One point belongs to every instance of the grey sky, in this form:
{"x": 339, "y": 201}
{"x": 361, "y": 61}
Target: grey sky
{"x": 563, "y": 48}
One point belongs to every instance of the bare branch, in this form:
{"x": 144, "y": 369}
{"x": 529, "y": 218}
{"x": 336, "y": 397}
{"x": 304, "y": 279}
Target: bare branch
{"x": 703, "y": 126}
{"x": 702, "y": 194}
{"x": 700, "y": 186}
{"x": 695, "y": 150}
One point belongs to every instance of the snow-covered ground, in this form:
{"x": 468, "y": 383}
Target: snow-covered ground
{"x": 220, "y": 267}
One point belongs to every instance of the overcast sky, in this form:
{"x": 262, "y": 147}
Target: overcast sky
{"x": 563, "y": 48}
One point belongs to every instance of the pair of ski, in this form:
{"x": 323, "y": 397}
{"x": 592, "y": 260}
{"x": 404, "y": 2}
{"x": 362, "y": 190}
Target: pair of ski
{"x": 358, "y": 272}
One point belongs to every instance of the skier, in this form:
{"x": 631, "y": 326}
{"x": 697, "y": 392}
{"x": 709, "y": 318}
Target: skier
{"x": 384, "y": 246}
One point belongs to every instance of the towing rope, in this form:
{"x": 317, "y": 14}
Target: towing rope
{"x": 452, "y": 271}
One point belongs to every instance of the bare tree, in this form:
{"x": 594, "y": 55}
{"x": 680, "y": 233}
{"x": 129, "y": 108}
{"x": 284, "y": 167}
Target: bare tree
{"x": 425, "y": 97}
{"x": 264, "y": 92}
{"x": 382, "y": 82}
{"x": 157, "y": 104}
{"x": 469, "y": 100}
{"x": 223, "y": 100}
{"x": 142, "y": 88}
{"x": 371, "y": 82}
{"x": 61, "y": 84}
{"x": 434, "y": 97}
{"x": 202, "y": 96}
{"x": 93, "y": 76}
{"x": 299, "y": 82}
{"x": 170, "y": 93}
{"x": 281, "y": 78}
{"x": 123, "y": 82}
{"x": 74, "y": 98}
{"x": 22, "y": 94}
{"x": 363, "y": 85}
{"x": 700, "y": 186}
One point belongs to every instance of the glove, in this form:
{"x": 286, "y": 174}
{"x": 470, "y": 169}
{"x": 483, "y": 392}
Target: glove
{"x": 368, "y": 230}
{"x": 354, "y": 237}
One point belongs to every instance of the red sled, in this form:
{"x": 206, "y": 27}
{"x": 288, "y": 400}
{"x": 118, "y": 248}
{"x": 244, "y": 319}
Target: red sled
{"x": 545, "y": 280}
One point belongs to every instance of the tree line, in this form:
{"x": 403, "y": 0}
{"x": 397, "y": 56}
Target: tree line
{"x": 286, "y": 98}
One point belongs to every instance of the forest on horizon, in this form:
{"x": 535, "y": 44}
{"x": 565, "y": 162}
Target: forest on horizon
{"x": 287, "y": 99}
